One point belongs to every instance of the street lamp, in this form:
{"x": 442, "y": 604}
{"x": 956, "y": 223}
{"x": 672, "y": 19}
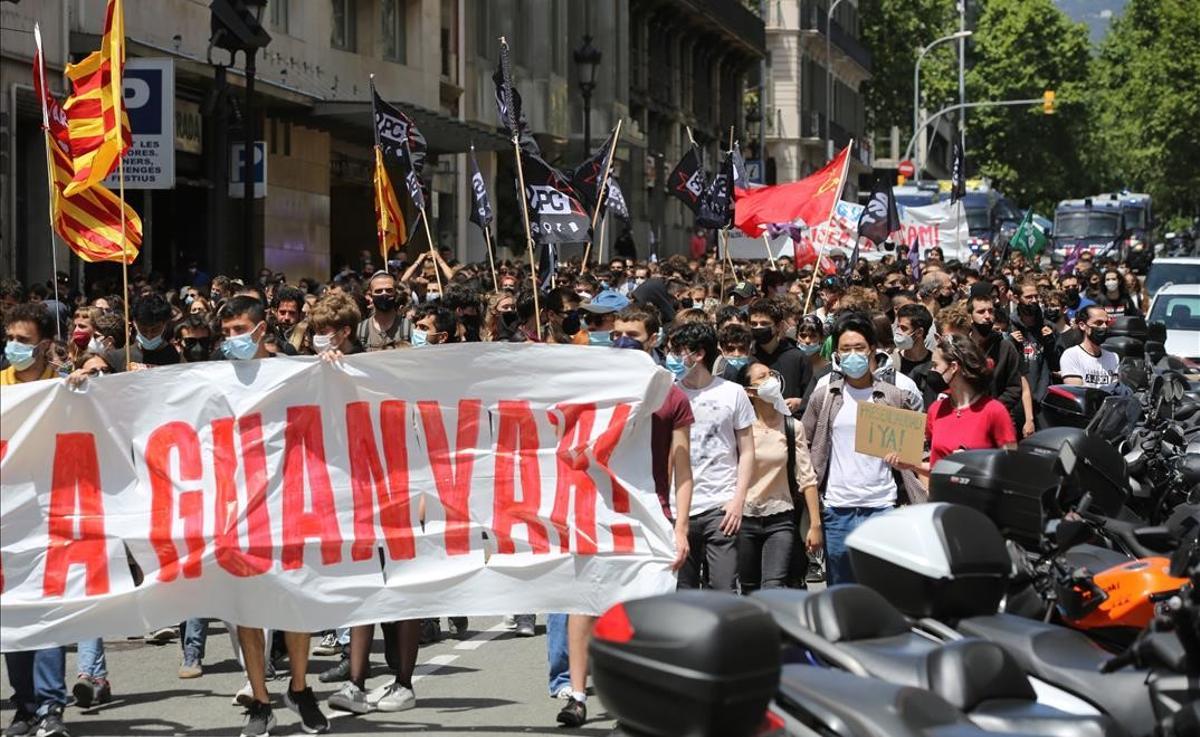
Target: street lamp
{"x": 917, "y": 77}
{"x": 587, "y": 59}
{"x": 829, "y": 79}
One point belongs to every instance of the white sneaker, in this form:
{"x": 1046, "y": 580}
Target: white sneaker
{"x": 328, "y": 645}
{"x": 510, "y": 621}
{"x": 564, "y": 693}
{"x": 244, "y": 697}
{"x": 392, "y": 697}
{"x": 350, "y": 698}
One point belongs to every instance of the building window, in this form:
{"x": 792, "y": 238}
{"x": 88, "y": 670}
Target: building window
{"x": 395, "y": 30}
{"x": 279, "y": 15}
{"x": 345, "y": 20}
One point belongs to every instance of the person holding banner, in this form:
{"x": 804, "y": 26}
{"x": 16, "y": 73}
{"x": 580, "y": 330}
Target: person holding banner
{"x": 28, "y": 329}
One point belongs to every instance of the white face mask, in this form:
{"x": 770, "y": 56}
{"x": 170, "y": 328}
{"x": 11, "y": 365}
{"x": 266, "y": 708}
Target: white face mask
{"x": 322, "y": 343}
{"x": 903, "y": 341}
{"x": 771, "y": 392}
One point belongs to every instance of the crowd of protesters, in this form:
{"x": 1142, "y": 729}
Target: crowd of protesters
{"x": 753, "y": 451}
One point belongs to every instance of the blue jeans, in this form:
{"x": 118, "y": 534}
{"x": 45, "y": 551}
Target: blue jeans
{"x": 38, "y": 678}
{"x": 90, "y": 660}
{"x": 839, "y": 522}
{"x": 193, "y": 634}
{"x": 556, "y": 652}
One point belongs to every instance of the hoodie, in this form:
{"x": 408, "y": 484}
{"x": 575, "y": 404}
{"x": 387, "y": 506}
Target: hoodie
{"x": 653, "y": 291}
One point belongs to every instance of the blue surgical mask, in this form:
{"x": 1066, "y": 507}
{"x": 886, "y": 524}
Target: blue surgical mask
{"x": 808, "y": 349}
{"x": 736, "y": 362}
{"x": 854, "y": 365}
{"x": 599, "y": 337}
{"x": 676, "y": 366}
{"x": 150, "y": 344}
{"x": 420, "y": 338}
{"x": 626, "y": 342}
{"x": 241, "y": 347}
{"x": 20, "y": 355}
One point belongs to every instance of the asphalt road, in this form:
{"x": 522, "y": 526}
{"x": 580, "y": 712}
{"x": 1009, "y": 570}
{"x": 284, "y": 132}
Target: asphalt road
{"x": 490, "y": 683}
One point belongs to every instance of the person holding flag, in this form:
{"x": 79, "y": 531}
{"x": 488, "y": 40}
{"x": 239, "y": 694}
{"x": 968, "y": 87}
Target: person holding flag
{"x": 1029, "y": 239}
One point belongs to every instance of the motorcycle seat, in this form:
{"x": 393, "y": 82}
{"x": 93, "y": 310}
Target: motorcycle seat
{"x": 1069, "y": 660}
{"x": 1093, "y": 557}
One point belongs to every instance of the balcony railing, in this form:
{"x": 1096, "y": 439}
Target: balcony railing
{"x": 813, "y": 17}
{"x": 737, "y": 19}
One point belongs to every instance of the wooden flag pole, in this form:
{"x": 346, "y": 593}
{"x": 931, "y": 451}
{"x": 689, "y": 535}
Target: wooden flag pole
{"x": 487, "y": 236}
{"x": 124, "y": 252}
{"x": 824, "y": 241}
{"x": 437, "y": 268}
{"x": 725, "y": 230}
{"x": 600, "y": 192}
{"x": 600, "y": 249}
{"x": 522, "y": 201}
{"x": 770, "y": 255}
{"x": 41, "y": 72}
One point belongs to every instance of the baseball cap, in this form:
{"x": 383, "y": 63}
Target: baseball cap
{"x": 743, "y": 290}
{"x": 607, "y": 301}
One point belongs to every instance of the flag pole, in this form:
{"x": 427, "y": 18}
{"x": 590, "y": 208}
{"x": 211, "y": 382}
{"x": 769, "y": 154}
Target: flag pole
{"x": 124, "y": 252}
{"x": 600, "y": 249}
{"x": 487, "y": 236}
{"x": 437, "y": 269}
{"x": 600, "y": 192}
{"x": 767, "y": 245}
{"x": 725, "y": 230}
{"x": 824, "y": 241}
{"x": 516, "y": 142}
{"x": 41, "y": 71}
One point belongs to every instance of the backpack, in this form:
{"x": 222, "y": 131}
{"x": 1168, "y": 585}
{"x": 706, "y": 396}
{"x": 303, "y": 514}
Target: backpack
{"x": 789, "y": 433}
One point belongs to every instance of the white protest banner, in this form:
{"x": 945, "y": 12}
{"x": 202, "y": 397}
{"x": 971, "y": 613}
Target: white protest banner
{"x": 287, "y": 492}
{"x": 940, "y": 224}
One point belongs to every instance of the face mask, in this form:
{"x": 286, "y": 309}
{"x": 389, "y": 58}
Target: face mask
{"x": 508, "y": 319}
{"x": 20, "y": 355}
{"x": 195, "y": 351}
{"x": 189, "y": 299}
{"x": 903, "y": 341}
{"x": 1052, "y": 313}
{"x": 762, "y": 335}
{"x": 937, "y": 382}
{"x": 81, "y": 338}
{"x": 94, "y": 345}
{"x": 420, "y": 338}
{"x": 626, "y": 342}
{"x": 1099, "y": 335}
{"x": 241, "y": 347}
{"x": 944, "y": 300}
{"x": 1072, "y": 295}
{"x": 1112, "y": 286}
{"x": 584, "y": 295}
{"x": 676, "y": 366}
{"x": 809, "y": 349}
{"x": 322, "y": 343}
{"x": 599, "y": 337}
{"x": 892, "y": 291}
{"x": 737, "y": 363}
{"x": 771, "y": 392}
{"x": 1030, "y": 314}
{"x": 984, "y": 328}
{"x": 686, "y": 303}
{"x": 854, "y": 365}
{"x": 384, "y": 302}
{"x": 150, "y": 344}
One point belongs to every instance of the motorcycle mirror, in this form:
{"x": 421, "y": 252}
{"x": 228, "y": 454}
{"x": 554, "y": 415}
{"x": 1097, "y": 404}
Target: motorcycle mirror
{"x": 1071, "y": 532}
{"x": 1066, "y": 460}
{"x": 1181, "y": 559}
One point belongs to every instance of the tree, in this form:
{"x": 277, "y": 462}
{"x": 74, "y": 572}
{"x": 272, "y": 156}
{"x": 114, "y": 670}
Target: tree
{"x": 1146, "y": 104}
{"x": 1020, "y": 49}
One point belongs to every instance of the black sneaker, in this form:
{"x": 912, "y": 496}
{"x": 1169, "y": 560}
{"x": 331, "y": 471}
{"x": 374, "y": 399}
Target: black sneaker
{"x": 84, "y": 692}
{"x": 431, "y": 631}
{"x": 259, "y": 720}
{"x": 51, "y": 724}
{"x": 336, "y": 674}
{"x": 305, "y": 704}
{"x": 23, "y": 723}
{"x": 573, "y": 714}
{"x": 458, "y": 626}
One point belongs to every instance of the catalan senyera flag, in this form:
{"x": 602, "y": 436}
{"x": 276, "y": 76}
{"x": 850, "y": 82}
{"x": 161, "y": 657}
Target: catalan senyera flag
{"x": 97, "y": 121}
{"x": 90, "y": 221}
{"x": 389, "y": 219}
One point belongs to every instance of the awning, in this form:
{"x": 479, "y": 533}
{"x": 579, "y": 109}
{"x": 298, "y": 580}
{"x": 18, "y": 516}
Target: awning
{"x": 351, "y": 121}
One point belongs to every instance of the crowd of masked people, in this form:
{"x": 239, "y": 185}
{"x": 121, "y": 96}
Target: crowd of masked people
{"x": 753, "y": 451}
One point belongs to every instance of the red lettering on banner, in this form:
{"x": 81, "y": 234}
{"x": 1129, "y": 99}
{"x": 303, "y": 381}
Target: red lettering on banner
{"x": 606, "y": 444}
{"x": 256, "y": 558}
{"x": 573, "y": 477}
{"x": 304, "y": 459}
{"x": 75, "y": 495}
{"x": 452, "y": 471}
{"x": 517, "y": 448}
{"x": 182, "y": 438}
{"x": 368, "y": 481}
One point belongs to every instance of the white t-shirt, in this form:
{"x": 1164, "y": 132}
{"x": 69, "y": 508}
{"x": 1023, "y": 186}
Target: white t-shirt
{"x": 720, "y": 409}
{"x": 855, "y": 479}
{"x": 1098, "y": 373}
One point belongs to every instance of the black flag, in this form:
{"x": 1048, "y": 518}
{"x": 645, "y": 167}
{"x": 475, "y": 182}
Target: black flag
{"x": 741, "y": 180}
{"x": 556, "y": 214}
{"x": 879, "y": 218}
{"x": 412, "y": 180}
{"x": 614, "y": 200}
{"x": 958, "y": 173}
{"x": 508, "y": 105}
{"x": 586, "y": 177}
{"x": 481, "y": 204}
{"x": 716, "y": 204}
{"x": 547, "y": 265}
{"x": 397, "y": 134}
{"x": 687, "y": 180}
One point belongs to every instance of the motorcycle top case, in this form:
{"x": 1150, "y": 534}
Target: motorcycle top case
{"x": 1129, "y": 326}
{"x": 945, "y": 561}
{"x": 687, "y": 664}
{"x": 1000, "y": 484}
{"x": 1065, "y": 405}
{"x": 1100, "y": 469}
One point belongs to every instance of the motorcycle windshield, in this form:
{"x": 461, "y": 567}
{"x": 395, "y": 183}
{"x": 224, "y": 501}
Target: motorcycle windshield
{"x": 1116, "y": 419}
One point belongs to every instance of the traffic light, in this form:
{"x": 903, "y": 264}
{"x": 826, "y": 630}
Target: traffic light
{"x": 1048, "y": 102}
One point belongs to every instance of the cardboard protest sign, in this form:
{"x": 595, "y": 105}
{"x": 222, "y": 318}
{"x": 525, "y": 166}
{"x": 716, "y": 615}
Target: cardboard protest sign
{"x": 882, "y": 430}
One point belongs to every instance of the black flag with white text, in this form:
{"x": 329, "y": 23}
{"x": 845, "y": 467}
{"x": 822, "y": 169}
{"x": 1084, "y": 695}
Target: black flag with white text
{"x": 481, "y": 204}
{"x": 556, "y": 214}
{"x": 688, "y": 180}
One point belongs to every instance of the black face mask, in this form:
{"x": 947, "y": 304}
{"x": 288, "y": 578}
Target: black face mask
{"x": 944, "y": 300}
{"x": 686, "y": 303}
{"x": 570, "y": 323}
{"x": 1099, "y": 335}
{"x": 892, "y": 291}
{"x": 984, "y": 328}
{"x": 936, "y": 382}
{"x": 509, "y": 319}
{"x": 383, "y": 302}
{"x": 196, "y": 350}
{"x": 1072, "y": 296}
{"x": 1030, "y": 314}
{"x": 763, "y": 335}
{"x": 1052, "y": 313}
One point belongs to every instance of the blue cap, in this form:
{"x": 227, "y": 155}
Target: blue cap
{"x": 607, "y": 301}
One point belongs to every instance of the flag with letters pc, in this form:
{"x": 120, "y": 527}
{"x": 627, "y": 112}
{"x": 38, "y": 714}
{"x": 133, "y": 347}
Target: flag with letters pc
{"x": 397, "y": 134}
{"x": 556, "y": 211}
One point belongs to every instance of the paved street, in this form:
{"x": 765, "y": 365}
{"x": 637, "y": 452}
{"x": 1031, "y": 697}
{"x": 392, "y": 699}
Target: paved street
{"x": 490, "y": 683}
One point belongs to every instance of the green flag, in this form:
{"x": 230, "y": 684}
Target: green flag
{"x": 1029, "y": 239}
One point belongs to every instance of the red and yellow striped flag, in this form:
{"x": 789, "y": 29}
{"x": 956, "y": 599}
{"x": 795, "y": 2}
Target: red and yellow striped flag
{"x": 389, "y": 219}
{"x": 90, "y": 221}
{"x": 97, "y": 105}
